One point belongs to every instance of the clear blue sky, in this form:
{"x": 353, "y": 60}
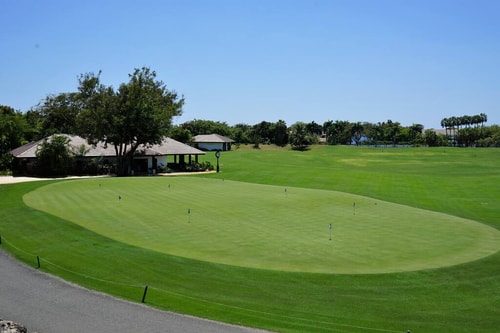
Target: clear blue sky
{"x": 245, "y": 61}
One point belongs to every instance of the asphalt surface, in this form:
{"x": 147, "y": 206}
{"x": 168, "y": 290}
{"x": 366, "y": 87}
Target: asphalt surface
{"x": 47, "y": 304}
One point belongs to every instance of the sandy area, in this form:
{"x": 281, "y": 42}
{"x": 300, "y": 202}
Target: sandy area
{"x": 12, "y": 180}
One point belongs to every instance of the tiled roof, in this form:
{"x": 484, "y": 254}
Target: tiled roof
{"x": 211, "y": 138}
{"x": 26, "y": 150}
{"x": 170, "y": 147}
{"x": 167, "y": 147}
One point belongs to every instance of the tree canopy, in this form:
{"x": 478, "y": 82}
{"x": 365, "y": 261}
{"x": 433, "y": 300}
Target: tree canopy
{"x": 300, "y": 139}
{"x": 54, "y": 156}
{"x": 138, "y": 113}
{"x": 12, "y": 128}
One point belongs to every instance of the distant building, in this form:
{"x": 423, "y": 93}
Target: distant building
{"x": 212, "y": 142}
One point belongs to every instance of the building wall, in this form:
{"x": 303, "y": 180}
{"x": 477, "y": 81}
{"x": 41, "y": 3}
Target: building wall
{"x": 140, "y": 162}
{"x": 210, "y": 146}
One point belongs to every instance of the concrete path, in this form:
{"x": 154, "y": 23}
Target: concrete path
{"x": 47, "y": 304}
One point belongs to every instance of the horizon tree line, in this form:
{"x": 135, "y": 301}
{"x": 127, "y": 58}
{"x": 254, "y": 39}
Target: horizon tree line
{"x": 140, "y": 112}
{"x": 64, "y": 113}
{"x": 300, "y": 134}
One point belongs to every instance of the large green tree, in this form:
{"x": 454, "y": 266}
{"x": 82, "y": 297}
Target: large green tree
{"x": 263, "y": 131}
{"x": 54, "y": 156}
{"x": 180, "y": 134}
{"x": 415, "y": 132}
{"x": 199, "y": 126}
{"x": 357, "y": 132}
{"x": 314, "y": 128}
{"x": 12, "y": 127}
{"x": 138, "y": 113}
{"x": 300, "y": 139}
{"x": 280, "y": 133}
{"x": 57, "y": 114}
{"x": 242, "y": 133}
{"x": 338, "y": 132}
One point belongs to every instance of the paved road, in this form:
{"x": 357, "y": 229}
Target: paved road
{"x": 49, "y": 305}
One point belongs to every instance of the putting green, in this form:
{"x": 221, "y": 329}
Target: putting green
{"x": 266, "y": 227}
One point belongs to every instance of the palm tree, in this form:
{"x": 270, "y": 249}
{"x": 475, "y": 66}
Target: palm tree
{"x": 415, "y": 131}
{"x": 466, "y": 120}
{"x": 484, "y": 118}
{"x": 454, "y": 124}
{"x": 280, "y": 133}
{"x": 445, "y": 124}
{"x": 299, "y": 139}
{"x": 476, "y": 120}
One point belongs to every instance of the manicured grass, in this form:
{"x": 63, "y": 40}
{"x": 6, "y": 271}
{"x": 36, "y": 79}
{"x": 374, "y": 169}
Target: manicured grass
{"x": 267, "y": 227}
{"x": 461, "y": 298}
{"x": 457, "y": 181}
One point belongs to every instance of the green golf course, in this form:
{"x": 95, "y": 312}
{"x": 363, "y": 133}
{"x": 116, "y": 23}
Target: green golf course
{"x": 333, "y": 239}
{"x": 268, "y": 227}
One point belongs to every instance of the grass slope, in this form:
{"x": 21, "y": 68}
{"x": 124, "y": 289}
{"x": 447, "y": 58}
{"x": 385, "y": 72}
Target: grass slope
{"x": 462, "y": 298}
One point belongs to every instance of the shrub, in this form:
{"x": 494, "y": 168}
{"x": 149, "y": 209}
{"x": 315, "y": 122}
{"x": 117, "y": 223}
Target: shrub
{"x": 196, "y": 167}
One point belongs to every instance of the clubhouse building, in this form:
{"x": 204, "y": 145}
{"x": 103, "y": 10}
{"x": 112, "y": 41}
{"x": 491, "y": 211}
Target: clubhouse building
{"x": 168, "y": 155}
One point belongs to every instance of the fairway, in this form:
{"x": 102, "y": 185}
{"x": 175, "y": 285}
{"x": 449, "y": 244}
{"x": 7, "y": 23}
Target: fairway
{"x": 265, "y": 226}
{"x": 251, "y": 245}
